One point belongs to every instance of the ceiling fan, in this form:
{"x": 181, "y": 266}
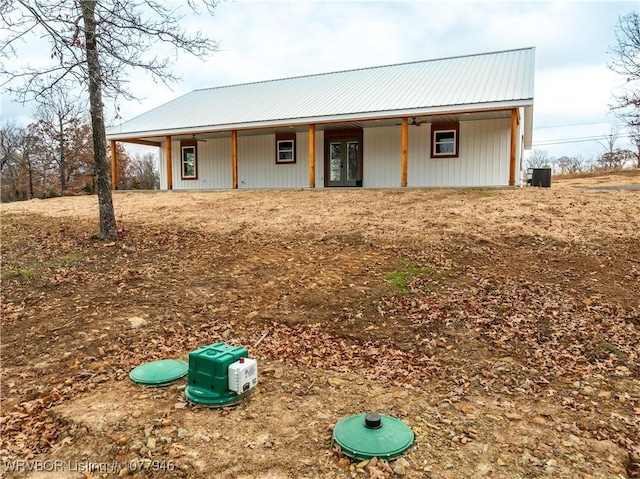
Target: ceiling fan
{"x": 413, "y": 122}
{"x": 198, "y": 139}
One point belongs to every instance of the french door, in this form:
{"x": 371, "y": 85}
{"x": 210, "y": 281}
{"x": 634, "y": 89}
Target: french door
{"x": 343, "y": 161}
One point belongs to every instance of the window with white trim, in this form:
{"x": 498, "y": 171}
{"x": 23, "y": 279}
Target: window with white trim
{"x": 444, "y": 140}
{"x": 188, "y": 160}
{"x": 285, "y": 148}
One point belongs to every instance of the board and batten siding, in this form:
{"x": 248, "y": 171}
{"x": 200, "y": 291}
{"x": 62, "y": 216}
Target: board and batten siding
{"x": 256, "y": 164}
{"x": 381, "y": 150}
{"x": 214, "y": 166}
{"x": 257, "y": 167}
{"x": 483, "y": 159}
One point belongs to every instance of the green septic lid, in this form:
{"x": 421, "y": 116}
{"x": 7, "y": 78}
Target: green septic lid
{"x": 158, "y": 373}
{"x": 372, "y": 435}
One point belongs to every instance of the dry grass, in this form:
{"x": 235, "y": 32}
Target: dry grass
{"x": 565, "y": 212}
{"x": 599, "y": 178}
{"x": 509, "y": 343}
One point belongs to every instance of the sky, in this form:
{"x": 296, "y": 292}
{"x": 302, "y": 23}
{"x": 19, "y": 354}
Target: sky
{"x": 264, "y": 40}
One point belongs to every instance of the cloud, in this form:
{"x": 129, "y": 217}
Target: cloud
{"x": 573, "y": 94}
{"x": 269, "y": 40}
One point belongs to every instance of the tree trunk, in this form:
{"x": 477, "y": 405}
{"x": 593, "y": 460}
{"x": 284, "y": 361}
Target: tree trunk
{"x": 108, "y": 229}
{"x": 63, "y": 183}
{"x": 30, "y": 170}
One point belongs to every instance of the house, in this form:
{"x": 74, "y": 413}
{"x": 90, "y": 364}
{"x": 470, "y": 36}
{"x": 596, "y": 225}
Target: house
{"x": 452, "y": 122}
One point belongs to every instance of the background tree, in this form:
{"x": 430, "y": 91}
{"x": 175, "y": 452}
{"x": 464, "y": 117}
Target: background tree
{"x": 626, "y": 62}
{"x": 539, "y": 159}
{"x": 37, "y": 161}
{"x": 123, "y": 164}
{"x": 634, "y": 135}
{"x": 610, "y": 139}
{"x": 570, "y": 164}
{"x": 30, "y": 160}
{"x": 616, "y": 160}
{"x": 11, "y": 141}
{"x": 9, "y": 144}
{"x": 23, "y": 165}
{"x": 146, "y": 174}
{"x": 58, "y": 113}
{"x": 95, "y": 44}
{"x": 80, "y": 162}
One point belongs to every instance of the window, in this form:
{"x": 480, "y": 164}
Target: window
{"x": 189, "y": 160}
{"x": 444, "y": 142}
{"x": 285, "y": 148}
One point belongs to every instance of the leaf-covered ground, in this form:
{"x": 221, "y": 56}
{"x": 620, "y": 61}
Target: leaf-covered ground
{"x": 502, "y": 325}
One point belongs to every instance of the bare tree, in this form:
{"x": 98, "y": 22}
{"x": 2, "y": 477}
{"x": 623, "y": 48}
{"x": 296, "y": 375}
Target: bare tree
{"x": 539, "y": 159}
{"x": 11, "y": 138}
{"x": 570, "y": 164}
{"x": 616, "y": 160}
{"x": 123, "y": 163}
{"x": 23, "y": 163}
{"x": 9, "y": 144}
{"x": 610, "y": 139}
{"x": 94, "y": 44}
{"x": 57, "y": 114}
{"x": 626, "y": 62}
{"x": 146, "y": 174}
{"x": 634, "y": 135}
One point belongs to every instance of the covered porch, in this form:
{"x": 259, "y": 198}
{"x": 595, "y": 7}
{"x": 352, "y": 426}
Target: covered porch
{"x": 332, "y": 152}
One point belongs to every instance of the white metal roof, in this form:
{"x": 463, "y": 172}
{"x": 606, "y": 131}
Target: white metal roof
{"x": 464, "y": 83}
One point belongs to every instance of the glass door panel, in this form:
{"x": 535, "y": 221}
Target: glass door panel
{"x": 353, "y": 161}
{"x": 335, "y": 161}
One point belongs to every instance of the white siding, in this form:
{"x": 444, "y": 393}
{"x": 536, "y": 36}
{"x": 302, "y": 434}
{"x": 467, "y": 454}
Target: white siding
{"x": 483, "y": 160}
{"x": 162, "y": 169}
{"x": 382, "y": 152}
{"x": 214, "y": 166}
{"x": 257, "y": 166}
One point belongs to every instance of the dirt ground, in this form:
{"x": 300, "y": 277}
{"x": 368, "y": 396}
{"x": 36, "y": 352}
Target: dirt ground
{"x": 501, "y": 325}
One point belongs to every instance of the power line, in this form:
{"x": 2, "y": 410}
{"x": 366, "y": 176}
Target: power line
{"x": 561, "y": 141}
{"x": 578, "y": 124}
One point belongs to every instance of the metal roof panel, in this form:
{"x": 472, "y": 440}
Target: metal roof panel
{"x": 472, "y": 80}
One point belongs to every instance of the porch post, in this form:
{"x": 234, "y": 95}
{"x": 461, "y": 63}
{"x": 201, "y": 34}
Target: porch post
{"x": 514, "y": 147}
{"x": 312, "y": 156}
{"x": 405, "y": 152}
{"x": 114, "y": 166}
{"x": 167, "y": 154}
{"x": 234, "y": 159}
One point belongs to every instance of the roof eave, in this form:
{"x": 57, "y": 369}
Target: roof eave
{"x": 351, "y": 117}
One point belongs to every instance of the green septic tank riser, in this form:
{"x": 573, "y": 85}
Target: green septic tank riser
{"x": 208, "y": 375}
{"x": 159, "y": 373}
{"x": 365, "y": 436}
